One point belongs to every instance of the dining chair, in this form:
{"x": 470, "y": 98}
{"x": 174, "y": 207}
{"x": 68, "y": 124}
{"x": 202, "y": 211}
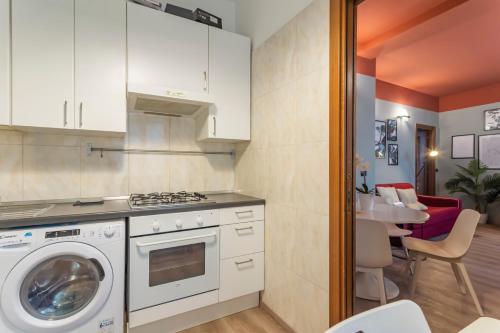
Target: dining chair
{"x": 451, "y": 249}
{"x": 373, "y": 252}
{"x": 402, "y": 316}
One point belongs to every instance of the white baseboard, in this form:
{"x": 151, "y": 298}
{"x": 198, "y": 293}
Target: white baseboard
{"x": 199, "y": 316}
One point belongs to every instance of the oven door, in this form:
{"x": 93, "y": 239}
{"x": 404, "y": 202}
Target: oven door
{"x": 170, "y": 266}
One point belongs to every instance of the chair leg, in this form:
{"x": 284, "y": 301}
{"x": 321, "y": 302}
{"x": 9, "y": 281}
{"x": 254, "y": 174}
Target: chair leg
{"x": 379, "y": 273}
{"x": 468, "y": 283}
{"x": 460, "y": 281}
{"x": 418, "y": 264}
{"x": 407, "y": 254}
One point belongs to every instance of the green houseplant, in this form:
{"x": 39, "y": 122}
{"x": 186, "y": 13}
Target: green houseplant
{"x": 474, "y": 182}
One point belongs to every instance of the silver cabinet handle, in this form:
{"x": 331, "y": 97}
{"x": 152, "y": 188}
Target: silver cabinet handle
{"x": 138, "y": 244}
{"x": 81, "y": 114}
{"x": 205, "y": 85}
{"x": 65, "y": 113}
{"x": 249, "y": 212}
{"x": 215, "y": 126}
{"x": 243, "y": 262}
{"x": 243, "y": 229}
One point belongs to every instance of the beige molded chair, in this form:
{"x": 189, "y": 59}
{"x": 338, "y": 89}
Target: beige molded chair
{"x": 452, "y": 250}
{"x": 373, "y": 252}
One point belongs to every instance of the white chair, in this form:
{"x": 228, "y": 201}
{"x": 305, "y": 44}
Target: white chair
{"x": 451, "y": 249}
{"x": 373, "y": 252}
{"x": 398, "y": 317}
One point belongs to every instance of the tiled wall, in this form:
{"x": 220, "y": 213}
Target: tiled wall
{"x": 37, "y": 166}
{"x": 287, "y": 164}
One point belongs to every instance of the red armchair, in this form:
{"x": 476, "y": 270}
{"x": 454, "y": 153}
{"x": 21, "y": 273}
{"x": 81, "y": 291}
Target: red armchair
{"x": 443, "y": 213}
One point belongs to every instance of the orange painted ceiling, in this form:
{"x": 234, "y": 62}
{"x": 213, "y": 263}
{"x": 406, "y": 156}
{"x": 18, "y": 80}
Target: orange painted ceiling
{"x": 437, "y": 47}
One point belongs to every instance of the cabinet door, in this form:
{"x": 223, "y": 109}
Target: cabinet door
{"x": 4, "y": 62}
{"x": 42, "y": 63}
{"x": 100, "y": 65}
{"x": 230, "y": 84}
{"x": 166, "y": 51}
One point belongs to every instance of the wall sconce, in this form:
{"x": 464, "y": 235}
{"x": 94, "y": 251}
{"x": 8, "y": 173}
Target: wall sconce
{"x": 403, "y": 117}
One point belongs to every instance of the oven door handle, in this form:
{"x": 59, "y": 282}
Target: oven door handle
{"x": 138, "y": 244}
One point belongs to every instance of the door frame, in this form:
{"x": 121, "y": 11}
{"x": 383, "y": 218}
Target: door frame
{"x": 341, "y": 157}
{"x": 431, "y": 162}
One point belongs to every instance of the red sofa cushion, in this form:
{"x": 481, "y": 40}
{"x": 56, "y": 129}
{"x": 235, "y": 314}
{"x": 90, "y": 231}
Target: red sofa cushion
{"x": 441, "y": 214}
{"x": 401, "y": 186}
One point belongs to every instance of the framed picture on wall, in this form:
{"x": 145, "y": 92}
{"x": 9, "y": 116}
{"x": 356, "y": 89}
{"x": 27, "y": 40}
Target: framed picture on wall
{"x": 392, "y": 130}
{"x": 489, "y": 151}
{"x": 492, "y": 120}
{"x": 380, "y": 139}
{"x": 463, "y": 146}
{"x": 393, "y": 154}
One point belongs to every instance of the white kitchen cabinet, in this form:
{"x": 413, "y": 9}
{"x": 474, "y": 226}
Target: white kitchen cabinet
{"x": 4, "y": 62}
{"x": 242, "y": 214}
{"x": 242, "y": 238}
{"x": 100, "y": 65}
{"x": 229, "y": 117}
{"x": 166, "y": 53}
{"x": 241, "y": 276}
{"x": 43, "y": 63}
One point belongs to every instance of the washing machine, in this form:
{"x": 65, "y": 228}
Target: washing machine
{"x": 63, "y": 279}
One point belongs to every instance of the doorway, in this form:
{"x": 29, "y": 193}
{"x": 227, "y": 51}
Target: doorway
{"x": 425, "y": 168}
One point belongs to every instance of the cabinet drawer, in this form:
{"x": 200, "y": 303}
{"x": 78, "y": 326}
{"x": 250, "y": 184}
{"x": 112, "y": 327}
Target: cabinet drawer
{"x": 242, "y": 214}
{"x": 241, "y": 276}
{"x": 242, "y": 238}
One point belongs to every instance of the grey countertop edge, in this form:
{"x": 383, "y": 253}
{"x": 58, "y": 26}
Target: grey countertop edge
{"x": 237, "y": 200}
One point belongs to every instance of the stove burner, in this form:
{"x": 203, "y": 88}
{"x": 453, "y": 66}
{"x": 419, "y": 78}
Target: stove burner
{"x": 164, "y": 199}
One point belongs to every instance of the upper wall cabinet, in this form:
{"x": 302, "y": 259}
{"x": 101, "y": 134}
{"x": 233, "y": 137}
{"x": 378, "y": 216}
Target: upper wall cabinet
{"x": 166, "y": 54}
{"x": 100, "y": 65}
{"x": 229, "y": 116}
{"x": 68, "y": 64}
{"x": 4, "y": 62}
{"x": 42, "y": 63}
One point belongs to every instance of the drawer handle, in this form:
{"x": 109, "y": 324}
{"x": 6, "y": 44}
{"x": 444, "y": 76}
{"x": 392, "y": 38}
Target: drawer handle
{"x": 243, "y": 229}
{"x": 243, "y": 262}
{"x": 169, "y": 241}
{"x": 250, "y": 212}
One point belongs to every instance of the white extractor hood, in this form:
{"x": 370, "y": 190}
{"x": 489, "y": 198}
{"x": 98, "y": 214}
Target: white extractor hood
{"x": 161, "y": 100}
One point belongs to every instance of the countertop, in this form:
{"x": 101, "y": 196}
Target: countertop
{"x": 119, "y": 208}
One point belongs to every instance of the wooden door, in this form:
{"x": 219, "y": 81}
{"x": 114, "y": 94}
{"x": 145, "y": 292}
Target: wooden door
{"x": 100, "y": 65}
{"x": 425, "y": 167}
{"x": 42, "y": 63}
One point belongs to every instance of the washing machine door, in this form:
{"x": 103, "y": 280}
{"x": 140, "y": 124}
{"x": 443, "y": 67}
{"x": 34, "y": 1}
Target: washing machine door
{"x": 57, "y": 288}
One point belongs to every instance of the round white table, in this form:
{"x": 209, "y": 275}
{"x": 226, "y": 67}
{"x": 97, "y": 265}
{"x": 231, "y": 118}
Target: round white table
{"x": 366, "y": 283}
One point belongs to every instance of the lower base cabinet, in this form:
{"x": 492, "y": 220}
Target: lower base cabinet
{"x": 241, "y": 276}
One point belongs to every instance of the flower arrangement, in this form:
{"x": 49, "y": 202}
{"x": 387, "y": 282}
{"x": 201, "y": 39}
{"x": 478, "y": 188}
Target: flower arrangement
{"x": 363, "y": 166}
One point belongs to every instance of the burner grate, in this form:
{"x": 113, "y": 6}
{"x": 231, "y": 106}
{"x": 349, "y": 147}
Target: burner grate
{"x": 164, "y": 198}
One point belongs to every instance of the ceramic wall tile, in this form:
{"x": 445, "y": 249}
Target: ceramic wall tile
{"x": 187, "y": 173}
{"x": 312, "y": 107}
{"x": 280, "y": 220}
{"x": 11, "y": 176}
{"x": 105, "y": 176}
{"x": 281, "y": 116}
{"x": 148, "y": 131}
{"x": 8, "y": 137}
{"x": 183, "y": 134}
{"x": 282, "y": 47}
{"x": 149, "y": 173}
{"x": 219, "y": 173}
{"x": 51, "y": 172}
{"x": 282, "y": 169}
{"x": 261, "y": 70}
{"x": 45, "y": 139}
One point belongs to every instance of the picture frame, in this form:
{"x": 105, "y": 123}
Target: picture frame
{"x": 393, "y": 154}
{"x": 489, "y": 151}
{"x": 380, "y": 139}
{"x": 463, "y": 146}
{"x": 492, "y": 120}
{"x": 392, "y": 130}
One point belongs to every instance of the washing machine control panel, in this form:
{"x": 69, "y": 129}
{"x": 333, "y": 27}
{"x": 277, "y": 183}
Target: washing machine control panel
{"x": 15, "y": 238}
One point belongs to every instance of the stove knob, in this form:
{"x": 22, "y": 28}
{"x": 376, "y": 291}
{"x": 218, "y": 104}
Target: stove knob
{"x": 178, "y": 224}
{"x": 109, "y": 232}
{"x": 199, "y": 221}
{"x": 156, "y": 226}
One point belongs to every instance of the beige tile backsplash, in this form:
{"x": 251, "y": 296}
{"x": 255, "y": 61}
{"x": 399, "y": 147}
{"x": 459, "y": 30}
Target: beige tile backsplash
{"x": 40, "y": 166}
{"x": 287, "y": 164}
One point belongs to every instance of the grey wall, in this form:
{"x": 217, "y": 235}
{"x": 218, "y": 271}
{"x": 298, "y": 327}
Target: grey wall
{"x": 458, "y": 122}
{"x": 365, "y": 119}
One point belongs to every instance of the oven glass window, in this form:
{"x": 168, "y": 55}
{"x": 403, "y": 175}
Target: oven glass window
{"x": 176, "y": 263}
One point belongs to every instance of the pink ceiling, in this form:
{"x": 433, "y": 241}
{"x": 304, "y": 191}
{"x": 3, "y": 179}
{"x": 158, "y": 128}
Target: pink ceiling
{"x": 452, "y": 52}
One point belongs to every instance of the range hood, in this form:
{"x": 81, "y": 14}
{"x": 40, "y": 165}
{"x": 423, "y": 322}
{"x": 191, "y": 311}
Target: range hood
{"x": 161, "y": 100}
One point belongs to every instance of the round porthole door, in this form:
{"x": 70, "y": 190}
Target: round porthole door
{"x": 57, "y": 288}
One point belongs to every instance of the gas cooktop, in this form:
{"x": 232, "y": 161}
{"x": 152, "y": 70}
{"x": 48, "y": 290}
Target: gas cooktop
{"x": 166, "y": 199}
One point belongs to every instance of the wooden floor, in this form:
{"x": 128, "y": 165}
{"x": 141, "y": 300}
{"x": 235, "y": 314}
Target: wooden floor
{"x": 446, "y": 309}
{"x": 250, "y": 321}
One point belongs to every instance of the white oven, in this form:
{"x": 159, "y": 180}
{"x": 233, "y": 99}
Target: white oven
{"x": 172, "y": 256}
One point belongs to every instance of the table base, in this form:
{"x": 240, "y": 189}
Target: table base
{"x": 367, "y": 287}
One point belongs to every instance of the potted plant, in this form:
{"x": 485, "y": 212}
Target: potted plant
{"x": 474, "y": 182}
{"x": 366, "y": 195}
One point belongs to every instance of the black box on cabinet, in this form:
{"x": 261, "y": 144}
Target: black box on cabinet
{"x": 179, "y": 11}
{"x": 205, "y": 17}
